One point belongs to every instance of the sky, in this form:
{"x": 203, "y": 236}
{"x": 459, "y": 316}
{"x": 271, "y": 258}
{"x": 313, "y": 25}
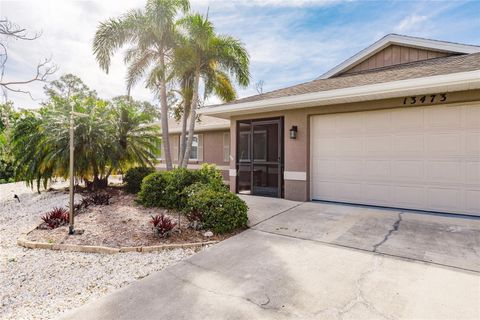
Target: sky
{"x": 289, "y": 41}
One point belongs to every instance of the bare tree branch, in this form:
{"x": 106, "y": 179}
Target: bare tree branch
{"x": 44, "y": 69}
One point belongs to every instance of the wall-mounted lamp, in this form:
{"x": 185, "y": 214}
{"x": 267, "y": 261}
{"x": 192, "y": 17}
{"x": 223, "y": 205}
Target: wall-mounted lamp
{"x": 293, "y": 132}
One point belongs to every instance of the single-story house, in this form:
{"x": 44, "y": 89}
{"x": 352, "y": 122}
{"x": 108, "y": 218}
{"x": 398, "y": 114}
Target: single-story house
{"x": 396, "y": 125}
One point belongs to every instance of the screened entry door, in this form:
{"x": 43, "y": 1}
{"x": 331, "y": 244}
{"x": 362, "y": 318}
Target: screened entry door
{"x": 260, "y": 157}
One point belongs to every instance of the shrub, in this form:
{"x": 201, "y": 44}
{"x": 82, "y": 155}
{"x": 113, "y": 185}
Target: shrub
{"x": 219, "y": 210}
{"x": 152, "y": 192}
{"x": 166, "y": 188}
{"x": 134, "y": 176}
{"x": 162, "y": 225}
{"x": 209, "y": 174}
{"x": 56, "y": 218}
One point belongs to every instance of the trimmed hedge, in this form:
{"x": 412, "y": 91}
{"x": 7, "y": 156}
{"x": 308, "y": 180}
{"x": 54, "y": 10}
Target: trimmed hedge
{"x": 217, "y": 209}
{"x": 133, "y": 178}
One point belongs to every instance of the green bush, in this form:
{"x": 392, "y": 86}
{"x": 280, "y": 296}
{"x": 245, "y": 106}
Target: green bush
{"x": 166, "y": 189}
{"x": 153, "y": 188}
{"x": 209, "y": 174}
{"x": 218, "y": 209}
{"x": 134, "y": 176}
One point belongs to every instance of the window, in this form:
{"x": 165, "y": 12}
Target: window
{"x": 196, "y": 153}
{"x": 226, "y": 147}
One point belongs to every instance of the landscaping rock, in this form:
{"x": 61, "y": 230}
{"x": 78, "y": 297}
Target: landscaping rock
{"x": 208, "y": 234}
{"x": 41, "y": 284}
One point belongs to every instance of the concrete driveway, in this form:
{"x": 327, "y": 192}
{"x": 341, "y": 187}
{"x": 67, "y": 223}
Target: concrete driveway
{"x": 317, "y": 261}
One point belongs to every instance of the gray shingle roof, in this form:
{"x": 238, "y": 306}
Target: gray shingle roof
{"x": 418, "y": 69}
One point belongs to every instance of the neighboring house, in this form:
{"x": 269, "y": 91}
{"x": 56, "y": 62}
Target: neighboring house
{"x": 396, "y": 125}
{"x": 211, "y": 144}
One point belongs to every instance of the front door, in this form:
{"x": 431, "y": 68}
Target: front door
{"x": 260, "y": 157}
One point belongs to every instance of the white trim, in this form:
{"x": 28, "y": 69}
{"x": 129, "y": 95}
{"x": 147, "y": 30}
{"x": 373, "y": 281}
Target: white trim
{"x": 232, "y": 172}
{"x": 192, "y": 166}
{"x": 427, "y": 85}
{"x": 399, "y": 40}
{"x": 295, "y": 175}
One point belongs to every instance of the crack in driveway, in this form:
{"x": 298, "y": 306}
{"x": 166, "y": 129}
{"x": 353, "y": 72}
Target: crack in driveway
{"x": 262, "y": 305}
{"x": 359, "y": 297}
{"x": 394, "y": 228}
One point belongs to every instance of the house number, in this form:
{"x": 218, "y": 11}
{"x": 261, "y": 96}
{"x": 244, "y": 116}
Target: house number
{"x": 432, "y": 98}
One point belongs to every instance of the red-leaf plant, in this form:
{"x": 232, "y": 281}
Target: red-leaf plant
{"x": 162, "y": 225}
{"x": 56, "y": 218}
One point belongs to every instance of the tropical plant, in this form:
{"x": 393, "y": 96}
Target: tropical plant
{"x": 55, "y": 218}
{"x": 203, "y": 54}
{"x": 162, "y": 225}
{"x": 8, "y": 117}
{"x": 110, "y": 137}
{"x": 151, "y": 32}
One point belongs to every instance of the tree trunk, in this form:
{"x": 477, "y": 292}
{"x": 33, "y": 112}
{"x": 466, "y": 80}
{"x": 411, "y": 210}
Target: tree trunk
{"x": 193, "y": 116}
{"x": 186, "y": 113}
{"x": 164, "y": 116}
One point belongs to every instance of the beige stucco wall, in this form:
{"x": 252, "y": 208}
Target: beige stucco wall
{"x": 297, "y": 157}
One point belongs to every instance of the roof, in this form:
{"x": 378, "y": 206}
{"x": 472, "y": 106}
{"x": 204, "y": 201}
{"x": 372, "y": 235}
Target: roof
{"x": 205, "y": 123}
{"x": 402, "y": 40}
{"x": 418, "y": 69}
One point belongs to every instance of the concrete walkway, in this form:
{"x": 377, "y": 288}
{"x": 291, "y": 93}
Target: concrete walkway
{"x": 317, "y": 261}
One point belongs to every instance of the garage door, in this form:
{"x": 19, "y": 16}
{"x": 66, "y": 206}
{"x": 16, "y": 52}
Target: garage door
{"x": 425, "y": 158}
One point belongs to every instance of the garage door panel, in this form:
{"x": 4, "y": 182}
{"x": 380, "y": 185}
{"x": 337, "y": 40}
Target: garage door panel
{"x": 378, "y": 122}
{"x": 325, "y": 169}
{"x": 473, "y": 201}
{"x": 349, "y": 146}
{"x": 407, "y": 120}
{"x": 349, "y": 169}
{"x": 408, "y": 145}
{"x": 443, "y": 145}
{"x": 446, "y": 172}
{"x": 443, "y": 118}
{"x": 378, "y": 194}
{"x": 378, "y": 146}
{"x": 349, "y": 124}
{"x": 472, "y": 117}
{"x": 407, "y": 170}
{"x": 377, "y": 170}
{"x": 444, "y": 199}
{"x": 324, "y": 147}
{"x": 409, "y": 196}
{"x": 472, "y": 173}
{"x": 348, "y": 192}
{"x": 472, "y": 144}
{"x": 425, "y": 158}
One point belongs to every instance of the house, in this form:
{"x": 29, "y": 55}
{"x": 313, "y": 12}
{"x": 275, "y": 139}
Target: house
{"x": 396, "y": 125}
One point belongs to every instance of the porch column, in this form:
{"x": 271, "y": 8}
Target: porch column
{"x": 296, "y": 172}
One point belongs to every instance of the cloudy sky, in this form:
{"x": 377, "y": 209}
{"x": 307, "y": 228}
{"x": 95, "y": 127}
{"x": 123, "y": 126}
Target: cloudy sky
{"x": 289, "y": 41}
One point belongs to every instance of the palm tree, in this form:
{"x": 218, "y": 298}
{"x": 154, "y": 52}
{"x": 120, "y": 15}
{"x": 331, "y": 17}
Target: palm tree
{"x": 108, "y": 139}
{"x": 151, "y": 32}
{"x": 212, "y": 57}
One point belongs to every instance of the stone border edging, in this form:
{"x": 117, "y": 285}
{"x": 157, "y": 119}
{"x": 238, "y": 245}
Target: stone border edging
{"x": 22, "y": 241}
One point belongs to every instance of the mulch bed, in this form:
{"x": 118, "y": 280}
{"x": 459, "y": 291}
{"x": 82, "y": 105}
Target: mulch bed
{"x": 123, "y": 223}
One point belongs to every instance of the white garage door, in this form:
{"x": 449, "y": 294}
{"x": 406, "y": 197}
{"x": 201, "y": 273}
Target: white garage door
{"x": 425, "y": 158}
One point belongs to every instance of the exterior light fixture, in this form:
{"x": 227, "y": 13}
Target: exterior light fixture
{"x": 293, "y": 132}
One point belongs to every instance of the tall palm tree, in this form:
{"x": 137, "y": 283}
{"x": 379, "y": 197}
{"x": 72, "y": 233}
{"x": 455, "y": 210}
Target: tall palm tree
{"x": 151, "y": 32}
{"x": 212, "y": 57}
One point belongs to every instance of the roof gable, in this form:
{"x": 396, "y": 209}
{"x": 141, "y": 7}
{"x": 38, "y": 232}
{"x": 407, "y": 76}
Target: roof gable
{"x": 397, "y": 49}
